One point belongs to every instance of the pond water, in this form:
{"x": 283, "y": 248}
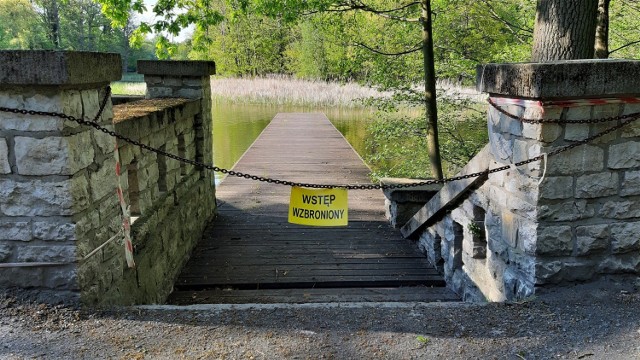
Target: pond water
{"x": 236, "y": 126}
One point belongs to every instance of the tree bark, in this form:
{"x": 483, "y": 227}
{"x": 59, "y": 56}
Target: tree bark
{"x": 433, "y": 145}
{"x": 602, "y": 30}
{"x": 565, "y": 30}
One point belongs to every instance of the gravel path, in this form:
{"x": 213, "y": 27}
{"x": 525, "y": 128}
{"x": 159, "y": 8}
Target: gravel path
{"x": 596, "y": 321}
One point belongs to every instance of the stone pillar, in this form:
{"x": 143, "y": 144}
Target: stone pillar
{"x": 57, "y": 180}
{"x": 190, "y": 80}
{"x": 583, "y": 220}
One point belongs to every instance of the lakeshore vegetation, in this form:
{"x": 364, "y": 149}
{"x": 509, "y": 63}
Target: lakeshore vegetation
{"x": 326, "y": 53}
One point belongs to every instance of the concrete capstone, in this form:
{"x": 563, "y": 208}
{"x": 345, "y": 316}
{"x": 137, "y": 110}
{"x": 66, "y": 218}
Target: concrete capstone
{"x": 58, "y": 68}
{"x": 561, "y": 79}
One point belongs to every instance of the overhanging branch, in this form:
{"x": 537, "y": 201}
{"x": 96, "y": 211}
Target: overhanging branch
{"x": 418, "y": 48}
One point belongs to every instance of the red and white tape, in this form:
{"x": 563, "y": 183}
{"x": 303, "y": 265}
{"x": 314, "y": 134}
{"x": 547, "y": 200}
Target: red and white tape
{"x": 126, "y": 216}
{"x": 564, "y": 103}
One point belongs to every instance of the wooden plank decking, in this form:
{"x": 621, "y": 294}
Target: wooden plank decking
{"x": 251, "y": 246}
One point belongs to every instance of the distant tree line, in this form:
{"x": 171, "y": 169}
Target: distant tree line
{"x": 68, "y": 25}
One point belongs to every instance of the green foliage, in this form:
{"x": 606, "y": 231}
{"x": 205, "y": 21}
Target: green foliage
{"x": 80, "y": 26}
{"x": 422, "y": 339}
{"x": 397, "y": 140}
{"x": 244, "y": 44}
{"x": 624, "y": 38}
{"x": 20, "y": 27}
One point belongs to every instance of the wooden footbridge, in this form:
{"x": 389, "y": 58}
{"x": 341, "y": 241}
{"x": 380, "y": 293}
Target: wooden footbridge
{"x": 250, "y": 253}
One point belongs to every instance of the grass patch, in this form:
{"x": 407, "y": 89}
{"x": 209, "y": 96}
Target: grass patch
{"x": 128, "y": 88}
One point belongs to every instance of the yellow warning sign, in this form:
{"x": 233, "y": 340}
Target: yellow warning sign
{"x": 318, "y": 207}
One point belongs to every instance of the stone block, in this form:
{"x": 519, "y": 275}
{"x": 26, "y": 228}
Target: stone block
{"x": 15, "y": 230}
{"x": 630, "y": 184}
{"x": 566, "y": 211}
{"x": 195, "y": 81}
{"x": 578, "y": 270}
{"x": 104, "y": 142}
{"x": 554, "y": 241}
{"x": 24, "y": 277}
{"x": 597, "y": 129}
{"x": 172, "y": 81}
{"x": 6, "y": 251}
{"x": 576, "y": 132}
{"x": 53, "y": 155}
{"x": 158, "y": 92}
{"x": 43, "y": 198}
{"x": 104, "y": 181}
{"x": 61, "y": 278}
{"x": 579, "y": 113}
{"x": 624, "y": 263}
{"x": 584, "y": 158}
{"x": 189, "y": 93}
{"x": 597, "y": 185}
{"x": 71, "y": 103}
{"x": 20, "y": 122}
{"x": 5, "y": 166}
{"x": 176, "y": 68}
{"x": 557, "y": 187}
{"x": 501, "y": 147}
{"x": 632, "y": 129}
{"x": 51, "y": 253}
{"x": 620, "y": 209}
{"x": 546, "y": 133}
{"x": 625, "y": 237}
{"x": 54, "y": 231}
{"x": 592, "y": 239}
{"x": 152, "y": 80}
{"x": 625, "y": 155}
{"x": 548, "y": 271}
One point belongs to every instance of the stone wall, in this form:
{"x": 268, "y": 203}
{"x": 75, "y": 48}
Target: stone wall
{"x": 57, "y": 182}
{"x": 171, "y": 203}
{"x": 511, "y": 234}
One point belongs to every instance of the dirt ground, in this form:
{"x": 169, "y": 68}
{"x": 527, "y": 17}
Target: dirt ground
{"x": 595, "y": 321}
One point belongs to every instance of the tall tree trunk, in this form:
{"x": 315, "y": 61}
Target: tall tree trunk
{"x": 54, "y": 23}
{"x": 565, "y": 30}
{"x": 433, "y": 145}
{"x": 602, "y": 30}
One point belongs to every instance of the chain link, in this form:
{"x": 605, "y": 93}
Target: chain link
{"x": 624, "y": 120}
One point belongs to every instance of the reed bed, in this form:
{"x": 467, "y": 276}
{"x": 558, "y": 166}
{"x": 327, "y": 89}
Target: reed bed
{"x": 281, "y": 90}
{"x": 285, "y": 90}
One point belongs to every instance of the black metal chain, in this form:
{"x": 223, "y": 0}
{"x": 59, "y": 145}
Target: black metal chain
{"x": 559, "y": 121}
{"x": 626, "y": 119}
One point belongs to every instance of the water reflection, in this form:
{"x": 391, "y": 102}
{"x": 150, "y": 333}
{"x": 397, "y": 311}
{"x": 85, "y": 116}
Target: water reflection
{"x": 236, "y": 126}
